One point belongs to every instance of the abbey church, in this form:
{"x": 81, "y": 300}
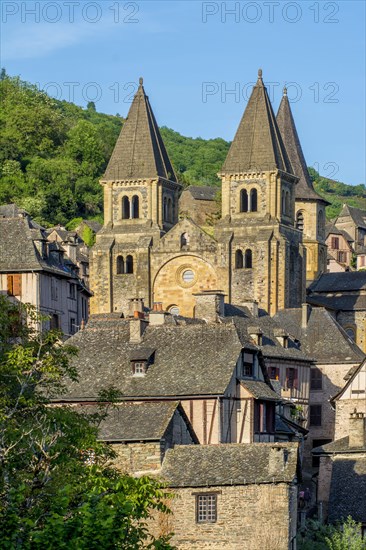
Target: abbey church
{"x": 267, "y": 246}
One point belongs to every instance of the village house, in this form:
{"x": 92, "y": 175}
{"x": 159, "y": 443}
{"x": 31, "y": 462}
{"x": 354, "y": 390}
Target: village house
{"x": 198, "y": 203}
{"x": 36, "y": 271}
{"x": 352, "y": 221}
{"x": 340, "y": 253}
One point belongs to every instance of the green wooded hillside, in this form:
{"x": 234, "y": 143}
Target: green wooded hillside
{"x": 52, "y": 154}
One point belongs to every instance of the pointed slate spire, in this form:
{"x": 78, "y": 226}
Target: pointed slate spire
{"x": 304, "y": 188}
{"x": 140, "y": 151}
{"x": 257, "y": 144}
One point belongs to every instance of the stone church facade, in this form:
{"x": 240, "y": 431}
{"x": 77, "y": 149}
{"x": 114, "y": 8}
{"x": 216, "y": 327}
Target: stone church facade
{"x": 260, "y": 245}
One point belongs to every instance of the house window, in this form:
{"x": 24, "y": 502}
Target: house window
{"x": 315, "y": 415}
{"x": 291, "y": 378}
{"x": 342, "y": 257}
{"x": 14, "y": 285}
{"x": 72, "y": 291}
{"x": 54, "y": 322}
{"x": 138, "y": 368}
{"x": 206, "y": 508}
{"x": 72, "y": 328}
{"x": 244, "y": 200}
{"x": 247, "y": 369}
{"x": 316, "y": 379}
{"x": 274, "y": 373}
{"x": 54, "y": 290}
{"x": 335, "y": 243}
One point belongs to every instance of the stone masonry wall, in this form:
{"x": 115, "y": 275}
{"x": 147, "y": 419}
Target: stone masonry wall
{"x": 138, "y": 458}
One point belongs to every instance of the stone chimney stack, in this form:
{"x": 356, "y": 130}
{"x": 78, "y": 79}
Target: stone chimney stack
{"x": 306, "y": 310}
{"x": 210, "y": 305}
{"x": 137, "y": 329}
{"x": 135, "y": 304}
{"x": 277, "y": 460}
{"x": 357, "y": 436}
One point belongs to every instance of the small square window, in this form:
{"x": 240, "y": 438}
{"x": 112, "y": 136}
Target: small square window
{"x": 206, "y": 508}
{"x": 138, "y": 368}
{"x": 247, "y": 369}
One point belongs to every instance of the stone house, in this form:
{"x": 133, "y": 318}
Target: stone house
{"x": 342, "y": 473}
{"x": 233, "y": 496}
{"x": 141, "y": 433}
{"x": 339, "y": 245}
{"x": 75, "y": 249}
{"x": 257, "y": 252}
{"x": 352, "y": 221}
{"x": 344, "y": 294}
{"x": 319, "y": 336}
{"x": 36, "y": 271}
{"x": 198, "y": 203}
{"x": 211, "y": 367}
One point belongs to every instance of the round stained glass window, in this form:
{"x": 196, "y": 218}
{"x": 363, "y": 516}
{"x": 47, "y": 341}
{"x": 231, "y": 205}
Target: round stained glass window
{"x": 188, "y": 276}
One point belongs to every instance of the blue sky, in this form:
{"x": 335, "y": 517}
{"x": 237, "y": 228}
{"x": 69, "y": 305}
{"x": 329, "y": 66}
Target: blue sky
{"x": 199, "y": 60}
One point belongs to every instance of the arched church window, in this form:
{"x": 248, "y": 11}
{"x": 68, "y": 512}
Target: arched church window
{"x": 351, "y": 333}
{"x": 125, "y": 208}
{"x": 184, "y": 240}
{"x": 129, "y": 264}
{"x": 248, "y": 263}
{"x": 239, "y": 259}
{"x": 244, "y": 200}
{"x": 253, "y": 200}
{"x": 165, "y": 209}
{"x": 170, "y": 210}
{"x": 135, "y": 210}
{"x": 120, "y": 265}
{"x": 321, "y": 224}
{"x": 300, "y": 221}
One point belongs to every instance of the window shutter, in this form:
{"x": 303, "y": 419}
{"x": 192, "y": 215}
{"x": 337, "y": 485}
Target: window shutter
{"x": 287, "y": 376}
{"x": 296, "y": 379}
{"x": 17, "y": 284}
{"x": 10, "y": 285}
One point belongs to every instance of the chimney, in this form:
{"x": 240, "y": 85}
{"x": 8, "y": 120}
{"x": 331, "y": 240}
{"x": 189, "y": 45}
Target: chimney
{"x": 281, "y": 336}
{"x": 253, "y": 307}
{"x": 256, "y": 334}
{"x": 135, "y": 304}
{"x": 277, "y": 460}
{"x": 357, "y": 437}
{"x": 137, "y": 329}
{"x": 306, "y": 309}
{"x": 210, "y": 305}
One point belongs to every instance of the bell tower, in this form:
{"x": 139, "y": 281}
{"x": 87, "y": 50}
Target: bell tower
{"x": 141, "y": 195}
{"x": 258, "y": 212}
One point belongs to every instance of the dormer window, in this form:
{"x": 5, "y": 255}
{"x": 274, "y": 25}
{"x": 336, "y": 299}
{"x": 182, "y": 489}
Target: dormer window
{"x": 139, "y": 368}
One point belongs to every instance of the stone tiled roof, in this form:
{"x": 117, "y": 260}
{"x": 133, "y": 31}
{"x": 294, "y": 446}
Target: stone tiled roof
{"x": 94, "y": 226}
{"x": 140, "y": 151}
{"x": 257, "y": 144}
{"x": 338, "y": 446}
{"x": 350, "y": 302}
{"x": 270, "y": 347}
{"x": 136, "y": 421}
{"x": 324, "y": 339}
{"x": 189, "y": 359}
{"x": 340, "y": 282}
{"x": 358, "y": 216}
{"x": 11, "y": 211}
{"x": 304, "y": 188}
{"x": 230, "y": 464}
{"x": 202, "y": 192}
{"x": 348, "y": 489}
{"x": 260, "y": 390}
{"x": 18, "y": 252}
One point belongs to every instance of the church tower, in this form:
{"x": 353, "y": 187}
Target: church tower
{"x": 140, "y": 204}
{"x": 309, "y": 206}
{"x": 266, "y": 256}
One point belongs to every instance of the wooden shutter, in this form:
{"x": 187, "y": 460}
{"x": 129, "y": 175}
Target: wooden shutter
{"x": 17, "y": 284}
{"x": 10, "y": 285}
{"x": 287, "y": 376}
{"x": 296, "y": 379}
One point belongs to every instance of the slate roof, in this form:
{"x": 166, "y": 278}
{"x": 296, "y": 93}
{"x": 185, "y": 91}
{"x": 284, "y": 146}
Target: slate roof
{"x": 189, "y": 359}
{"x": 346, "y": 281}
{"x": 270, "y": 347}
{"x": 304, "y": 189}
{"x": 338, "y": 446}
{"x": 11, "y": 211}
{"x": 324, "y": 339}
{"x": 358, "y": 216}
{"x": 257, "y": 144}
{"x": 348, "y": 490}
{"x": 94, "y": 225}
{"x": 260, "y": 390}
{"x": 202, "y": 192}
{"x": 350, "y": 302}
{"x": 140, "y": 151}
{"x": 230, "y": 464}
{"x": 18, "y": 252}
{"x": 136, "y": 421}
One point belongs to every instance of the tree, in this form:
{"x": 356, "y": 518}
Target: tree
{"x": 58, "y": 487}
{"x": 348, "y": 537}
